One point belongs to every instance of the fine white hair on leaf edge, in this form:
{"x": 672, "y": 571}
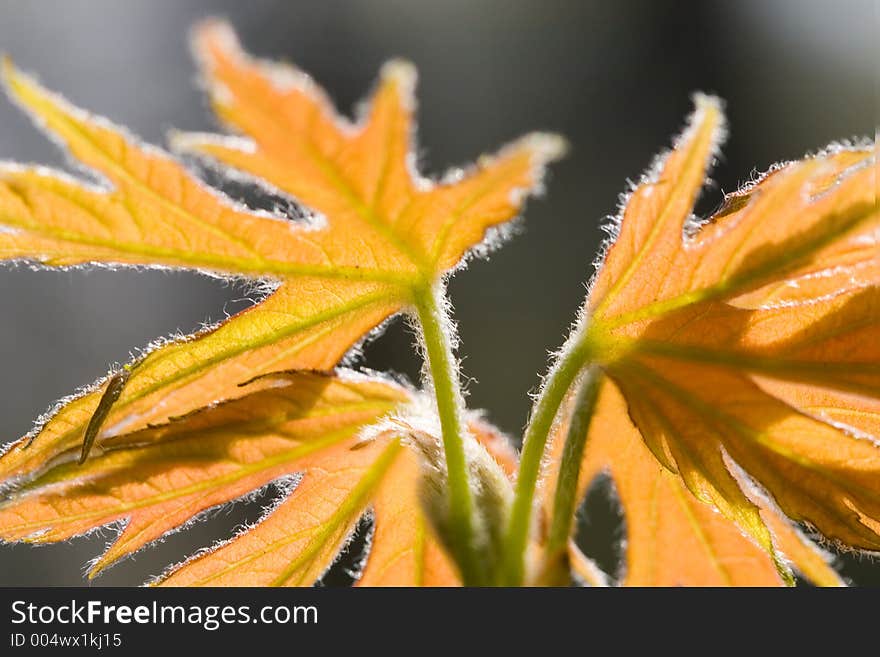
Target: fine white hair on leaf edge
{"x": 285, "y": 77}
{"x": 651, "y": 175}
{"x": 94, "y": 180}
{"x": 286, "y": 484}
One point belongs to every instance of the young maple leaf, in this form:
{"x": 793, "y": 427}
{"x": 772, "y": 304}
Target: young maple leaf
{"x": 383, "y": 234}
{"x": 745, "y": 353}
{"x": 296, "y": 427}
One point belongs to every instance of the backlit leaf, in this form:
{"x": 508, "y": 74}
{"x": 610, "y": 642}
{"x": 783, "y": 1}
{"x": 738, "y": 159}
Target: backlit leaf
{"x": 303, "y": 431}
{"x": 380, "y": 231}
{"x": 671, "y": 538}
{"x": 156, "y": 480}
{"x": 296, "y": 542}
{"x": 747, "y": 350}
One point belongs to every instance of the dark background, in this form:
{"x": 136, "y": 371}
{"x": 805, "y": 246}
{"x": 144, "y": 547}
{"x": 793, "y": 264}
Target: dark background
{"x": 614, "y": 77}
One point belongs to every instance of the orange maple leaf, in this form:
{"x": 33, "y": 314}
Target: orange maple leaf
{"x": 744, "y": 352}
{"x": 296, "y": 427}
{"x": 381, "y": 237}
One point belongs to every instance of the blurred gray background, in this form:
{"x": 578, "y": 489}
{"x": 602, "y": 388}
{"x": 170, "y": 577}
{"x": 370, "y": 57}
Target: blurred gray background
{"x": 614, "y": 77}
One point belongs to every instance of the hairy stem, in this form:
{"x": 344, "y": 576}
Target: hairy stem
{"x": 564, "y": 499}
{"x": 435, "y": 326}
{"x": 556, "y": 386}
